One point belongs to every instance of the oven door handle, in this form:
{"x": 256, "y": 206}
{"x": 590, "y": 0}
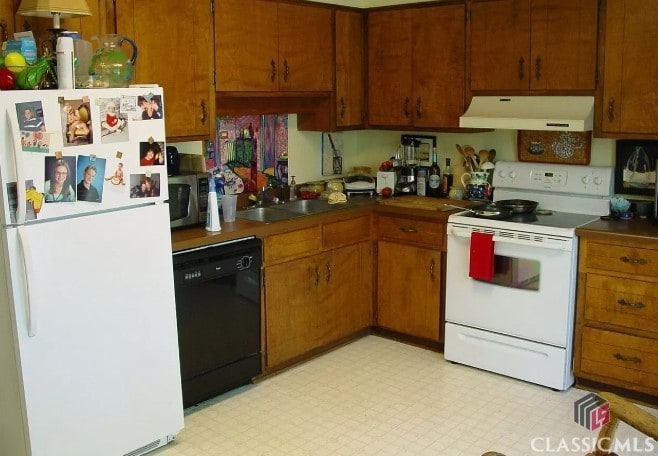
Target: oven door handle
{"x": 556, "y": 245}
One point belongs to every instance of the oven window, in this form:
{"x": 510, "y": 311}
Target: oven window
{"x": 520, "y": 273}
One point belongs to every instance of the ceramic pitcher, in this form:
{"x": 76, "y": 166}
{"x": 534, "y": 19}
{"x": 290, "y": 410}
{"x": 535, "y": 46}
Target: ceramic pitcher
{"x": 477, "y": 185}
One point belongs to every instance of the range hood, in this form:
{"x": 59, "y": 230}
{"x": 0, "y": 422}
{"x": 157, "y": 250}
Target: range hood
{"x": 553, "y": 113}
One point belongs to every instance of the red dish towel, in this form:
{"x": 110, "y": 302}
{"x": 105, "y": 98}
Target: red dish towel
{"x": 482, "y": 256}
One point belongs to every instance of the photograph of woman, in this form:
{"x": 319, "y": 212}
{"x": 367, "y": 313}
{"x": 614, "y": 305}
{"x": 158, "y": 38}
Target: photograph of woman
{"x": 58, "y": 188}
{"x": 143, "y": 186}
{"x": 151, "y": 153}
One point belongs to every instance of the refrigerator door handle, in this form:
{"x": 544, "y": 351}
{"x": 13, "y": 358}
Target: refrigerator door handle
{"x": 21, "y": 196}
{"x": 30, "y": 305}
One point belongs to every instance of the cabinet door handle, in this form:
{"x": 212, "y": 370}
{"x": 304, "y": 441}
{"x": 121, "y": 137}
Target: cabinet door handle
{"x": 432, "y": 265}
{"x": 317, "y": 276}
{"x": 273, "y": 72}
{"x": 408, "y": 230}
{"x": 328, "y": 266}
{"x": 286, "y": 70}
{"x": 204, "y": 112}
{"x": 521, "y": 68}
{"x": 630, "y": 359}
{"x": 633, "y": 305}
{"x": 342, "y": 107}
{"x": 640, "y": 261}
{"x": 406, "y": 107}
{"x": 538, "y": 68}
{"x": 419, "y": 111}
{"x": 611, "y": 109}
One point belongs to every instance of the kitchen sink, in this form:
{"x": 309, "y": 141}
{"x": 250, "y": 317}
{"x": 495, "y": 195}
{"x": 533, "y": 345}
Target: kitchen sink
{"x": 309, "y": 206}
{"x": 265, "y": 214}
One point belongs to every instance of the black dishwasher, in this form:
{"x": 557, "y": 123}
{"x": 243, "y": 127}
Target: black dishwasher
{"x": 218, "y": 312}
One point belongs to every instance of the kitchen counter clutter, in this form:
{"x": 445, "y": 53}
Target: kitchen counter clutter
{"x": 617, "y": 305}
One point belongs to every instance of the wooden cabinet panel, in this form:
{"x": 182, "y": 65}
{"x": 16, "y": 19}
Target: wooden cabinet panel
{"x": 411, "y": 231}
{"x": 628, "y": 103}
{"x": 499, "y": 44}
{"x": 389, "y": 68}
{"x": 292, "y": 244}
{"x": 623, "y": 302}
{"x": 620, "y": 258}
{"x": 631, "y": 361}
{"x": 176, "y": 53}
{"x": 527, "y": 45}
{"x": 416, "y": 65}
{"x": 345, "y": 232}
{"x": 268, "y": 46}
{"x": 350, "y": 70}
{"x": 408, "y": 289}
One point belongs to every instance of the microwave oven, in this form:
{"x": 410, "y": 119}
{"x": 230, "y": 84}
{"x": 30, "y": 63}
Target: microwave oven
{"x": 188, "y": 199}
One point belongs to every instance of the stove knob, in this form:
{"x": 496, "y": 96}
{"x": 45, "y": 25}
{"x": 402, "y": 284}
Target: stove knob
{"x": 512, "y": 174}
{"x": 598, "y": 180}
{"x": 585, "y": 179}
{"x": 502, "y": 173}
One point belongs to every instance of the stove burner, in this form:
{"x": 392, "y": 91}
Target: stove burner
{"x": 523, "y": 218}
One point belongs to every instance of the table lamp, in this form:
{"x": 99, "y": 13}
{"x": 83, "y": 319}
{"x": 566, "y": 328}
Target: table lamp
{"x": 56, "y": 8}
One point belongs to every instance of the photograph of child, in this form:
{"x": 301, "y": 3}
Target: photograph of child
{"x": 143, "y": 186}
{"x": 30, "y": 116}
{"x": 90, "y": 178}
{"x": 76, "y": 123}
{"x": 117, "y": 177}
{"x": 150, "y": 107}
{"x": 151, "y": 153}
{"x": 114, "y": 122}
{"x": 60, "y": 178}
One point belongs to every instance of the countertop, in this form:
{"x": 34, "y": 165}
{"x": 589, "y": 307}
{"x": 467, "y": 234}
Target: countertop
{"x": 636, "y": 228}
{"x": 412, "y": 205}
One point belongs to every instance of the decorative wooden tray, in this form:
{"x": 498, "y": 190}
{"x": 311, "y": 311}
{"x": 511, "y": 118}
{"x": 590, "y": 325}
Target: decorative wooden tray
{"x": 568, "y": 147}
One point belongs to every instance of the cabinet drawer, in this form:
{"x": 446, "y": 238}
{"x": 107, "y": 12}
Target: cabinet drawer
{"x": 293, "y": 244}
{"x": 631, "y": 260}
{"x": 346, "y": 232}
{"x": 623, "y": 302}
{"x": 409, "y": 230}
{"x": 629, "y": 359}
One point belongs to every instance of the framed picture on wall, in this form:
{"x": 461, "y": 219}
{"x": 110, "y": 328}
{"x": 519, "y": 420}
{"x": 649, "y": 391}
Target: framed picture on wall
{"x": 635, "y": 167}
{"x": 424, "y": 149}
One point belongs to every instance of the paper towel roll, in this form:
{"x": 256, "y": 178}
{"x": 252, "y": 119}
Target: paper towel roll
{"x": 65, "y": 70}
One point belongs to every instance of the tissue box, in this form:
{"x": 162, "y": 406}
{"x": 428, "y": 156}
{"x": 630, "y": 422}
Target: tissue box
{"x": 25, "y": 46}
{"x": 385, "y": 179}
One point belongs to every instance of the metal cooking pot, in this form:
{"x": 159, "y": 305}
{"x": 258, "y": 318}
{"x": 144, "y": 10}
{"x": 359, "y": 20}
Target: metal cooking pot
{"x": 518, "y": 206}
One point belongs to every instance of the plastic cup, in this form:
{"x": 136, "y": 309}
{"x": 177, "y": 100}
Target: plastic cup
{"x": 229, "y": 205}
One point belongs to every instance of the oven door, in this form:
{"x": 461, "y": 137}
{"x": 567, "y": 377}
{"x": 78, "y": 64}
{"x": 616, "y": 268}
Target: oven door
{"x": 532, "y": 293}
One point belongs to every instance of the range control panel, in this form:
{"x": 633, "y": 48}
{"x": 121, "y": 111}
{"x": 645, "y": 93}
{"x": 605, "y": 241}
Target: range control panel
{"x": 573, "y": 179}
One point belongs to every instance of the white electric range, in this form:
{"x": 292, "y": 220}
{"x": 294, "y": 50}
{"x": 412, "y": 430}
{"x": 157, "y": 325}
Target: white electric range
{"x": 519, "y": 322}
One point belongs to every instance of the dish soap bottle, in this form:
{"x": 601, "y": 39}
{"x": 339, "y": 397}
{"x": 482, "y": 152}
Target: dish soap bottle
{"x": 293, "y": 189}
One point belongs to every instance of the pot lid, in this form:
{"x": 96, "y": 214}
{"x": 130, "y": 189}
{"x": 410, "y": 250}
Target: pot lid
{"x": 553, "y": 113}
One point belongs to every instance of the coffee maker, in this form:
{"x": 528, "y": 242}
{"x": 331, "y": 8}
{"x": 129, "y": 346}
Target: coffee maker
{"x": 406, "y": 169}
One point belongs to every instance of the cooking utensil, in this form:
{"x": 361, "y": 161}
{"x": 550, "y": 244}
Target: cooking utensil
{"x": 488, "y": 210}
{"x": 518, "y": 206}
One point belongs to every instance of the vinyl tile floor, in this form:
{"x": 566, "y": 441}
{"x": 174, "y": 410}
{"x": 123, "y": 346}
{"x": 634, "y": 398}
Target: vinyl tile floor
{"x": 376, "y": 396}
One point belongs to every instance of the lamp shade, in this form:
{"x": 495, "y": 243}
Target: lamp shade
{"x": 47, "y": 8}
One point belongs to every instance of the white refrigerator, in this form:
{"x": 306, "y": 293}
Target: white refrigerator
{"x": 88, "y": 344}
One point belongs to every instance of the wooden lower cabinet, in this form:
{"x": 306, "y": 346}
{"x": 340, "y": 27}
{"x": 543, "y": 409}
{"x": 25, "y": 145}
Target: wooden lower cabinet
{"x": 316, "y": 299}
{"x": 408, "y": 289}
{"x": 617, "y": 313}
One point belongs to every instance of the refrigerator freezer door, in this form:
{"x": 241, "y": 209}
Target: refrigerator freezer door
{"x": 101, "y": 373}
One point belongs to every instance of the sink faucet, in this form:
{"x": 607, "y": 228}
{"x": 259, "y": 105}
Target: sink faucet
{"x": 263, "y": 197}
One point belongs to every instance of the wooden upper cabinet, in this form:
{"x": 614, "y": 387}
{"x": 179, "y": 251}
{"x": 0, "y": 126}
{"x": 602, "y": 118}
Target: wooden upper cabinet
{"x": 630, "y": 67}
{"x": 389, "y": 68}
{"x": 533, "y": 45}
{"x": 416, "y": 66}
{"x": 350, "y": 74}
{"x": 175, "y": 52}
{"x": 268, "y": 46}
